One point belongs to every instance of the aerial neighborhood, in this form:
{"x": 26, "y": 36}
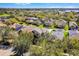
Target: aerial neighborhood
{"x": 39, "y": 32}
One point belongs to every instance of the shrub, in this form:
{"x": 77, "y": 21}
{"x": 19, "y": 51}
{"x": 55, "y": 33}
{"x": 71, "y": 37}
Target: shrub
{"x": 74, "y": 43}
{"x": 44, "y": 47}
{"x": 5, "y": 36}
{"x": 12, "y": 36}
{"x": 41, "y": 26}
{"x": 36, "y": 50}
{"x": 23, "y": 42}
{"x": 40, "y": 48}
{"x": 74, "y": 52}
{"x": 52, "y": 26}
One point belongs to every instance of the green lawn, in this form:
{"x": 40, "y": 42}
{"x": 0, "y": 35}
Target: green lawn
{"x": 1, "y": 15}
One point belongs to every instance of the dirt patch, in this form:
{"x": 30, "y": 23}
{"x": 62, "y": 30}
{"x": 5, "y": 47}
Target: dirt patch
{"x": 5, "y": 52}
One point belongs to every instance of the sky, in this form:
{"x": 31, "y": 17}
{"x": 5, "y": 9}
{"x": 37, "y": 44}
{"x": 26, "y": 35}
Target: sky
{"x": 39, "y": 5}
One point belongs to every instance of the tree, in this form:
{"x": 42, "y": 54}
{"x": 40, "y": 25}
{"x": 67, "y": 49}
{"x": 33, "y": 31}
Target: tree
{"x": 66, "y": 28}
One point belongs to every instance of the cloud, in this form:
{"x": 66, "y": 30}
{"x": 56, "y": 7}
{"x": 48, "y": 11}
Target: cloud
{"x": 22, "y": 4}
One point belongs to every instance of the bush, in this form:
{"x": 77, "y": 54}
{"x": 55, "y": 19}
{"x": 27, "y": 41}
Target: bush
{"x": 45, "y": 47}
{"x": 40, "y": 48}
{"x": 23, "y": 42}
{"x": 41, "y": 26}
{"x": 36, "y": 50}
{"x": 74, "y": 43}
{"x": 5, "y": 35}
{"x": 74, "y": 52}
